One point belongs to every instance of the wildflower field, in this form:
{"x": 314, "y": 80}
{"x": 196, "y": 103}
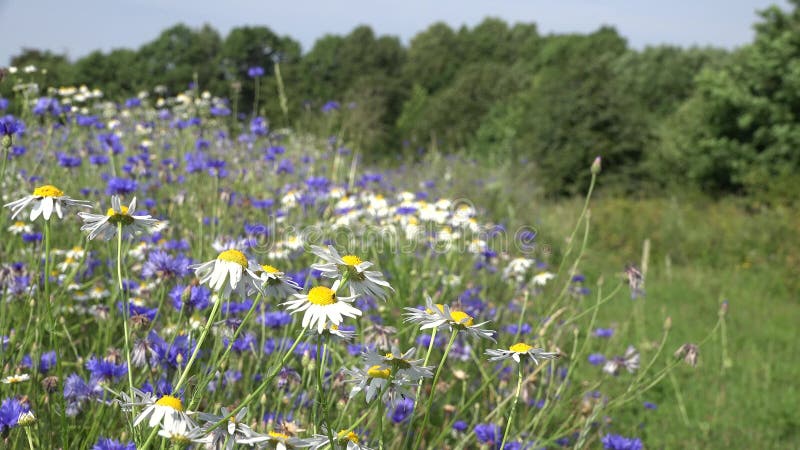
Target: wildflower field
{"x": 173, "y": 277}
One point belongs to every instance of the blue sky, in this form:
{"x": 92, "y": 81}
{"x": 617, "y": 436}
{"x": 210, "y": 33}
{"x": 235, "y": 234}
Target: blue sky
{"x": 77, "y": 27}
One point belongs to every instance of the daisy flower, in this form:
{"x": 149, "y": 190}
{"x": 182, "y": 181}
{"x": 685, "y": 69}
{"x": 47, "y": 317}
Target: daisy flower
{"x": 45, "y": 199}
{"x": 166, "y": 410}
{"x": 274, "y": 283}
{"x": 279, "y": 441}
{"x": 346, "y": 440}
{"x": 229, "y": 272}
{"x": 630, "y": 362}
{"x": 14, "y": 379}
{"x": 20, "y": 228}
{"x": 322, "y": 305}
{"x": 236, "y": 431}
{"x": 401, "y": 364}
{"x": 335, "y": 331}
{"x": 360, "y": 280}
{"x": 180, "y": 433}
{"x": 521, "y": 349}
{"x": 439, "y": 316}
{"x": 105, "y": 226}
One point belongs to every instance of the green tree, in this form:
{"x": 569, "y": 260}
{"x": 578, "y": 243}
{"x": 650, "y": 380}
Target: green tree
{"x": 744, "y": 135}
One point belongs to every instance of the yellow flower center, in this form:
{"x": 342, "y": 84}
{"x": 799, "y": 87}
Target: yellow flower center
{"x": 348, "y": 435}
{"x": 462, "y": 318}
{"x": 269, "y": 269}
{"x": 322, "y": 296}
{"x": 377, "y": 372}
{"x": 234, "y": 256}
{"x": 276, "y": 435}
{"x": 334, "y": 327}
{"x": 170, "y": 401}
{"x": 351, "y": 260}
{"x": 119, "y": 217}
{"x": 19, "y": 224}
{"x": 47, "y": 191}
{"x": 520, "y": 347}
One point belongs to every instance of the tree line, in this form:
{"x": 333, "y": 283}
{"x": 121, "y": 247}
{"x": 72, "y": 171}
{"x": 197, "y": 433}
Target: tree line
{"x": 727, "y": 122}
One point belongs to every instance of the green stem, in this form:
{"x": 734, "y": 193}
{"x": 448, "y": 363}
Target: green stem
{"x": 513, "y": 406}
{"x": 125, "y": 311}
{"x": 421, "y": 429}
{"x": 323, "y": 400}
{"x": 203, "y": 335}
{"x": 419, "y": 385}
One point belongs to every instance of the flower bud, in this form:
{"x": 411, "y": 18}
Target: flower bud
{"x": 596, "y": 166}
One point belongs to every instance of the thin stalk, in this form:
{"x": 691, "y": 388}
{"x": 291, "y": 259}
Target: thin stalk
{"x": 323, "y": 400}
{"x": 513, "y": 406}
{"x": 203, "y": 335}
{"x": 421, "y": 429}
{"x": 125, "y": 311}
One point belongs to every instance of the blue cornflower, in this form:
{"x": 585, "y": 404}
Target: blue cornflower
{"x": 111, "y": 142}
{"x": 103, "y": 370}
{"x": 99, "y": 160}
{"x": 3, "y": 104}
{"x": 133, "y": 102}
{"x": 139, "y": 310}
{"x": 9, "y": 125}
{"x": 259, "y": 127}
{"x": 489, "y": 433}
{"x": 121, "y": 186}
{"x": 285, "y": 166}
{"x": 604, "y": 332}
{"x": 161, "y": 264}
{"x": 32, "y": 237}
{"x": 274, "y": 319}
{"x": 194, "y": 298}
{"x": 460, "y": 425}
{"x": 330, "y": 106}
{"x": 47, "y": 361}
{"x": 68, "y": 161}
{"x": 617, "y": 442}
{"x": 111, "y": 444}
{"x": 649, "y": 405}
{"x": 402, "y": 411}
{"x": 10, "y": 410}
{"x": 46, "y": 105}
{"x": 255, "y": 72}
{"x": 513, "y": 329}
{"x": 77, "y": 392}
{"x": 596, "y": 359}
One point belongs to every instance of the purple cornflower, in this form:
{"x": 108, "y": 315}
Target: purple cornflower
{"x": 255, "y": 72}
{"x": 10, "y": 410}
{"x": 489, "y": 433}
{"x": 617, "y": 442}
{"x": 596, "y": 359}
{"x": 402, "y": 411}
{"x": 9, "y": 125}
{"x": 47, "y": 361}
{"x": 162, "y": 265}
{"x": 111, "y": 444}
{"x": 604, "y": 332}
{"x": 460, "y": 425}
{"x": 77, "y": 392}
{"x": 331, "y": 105}
{"x": 121, "y": 186}
{"x": 103, "y": 370}
{"x": 192, "y": 299}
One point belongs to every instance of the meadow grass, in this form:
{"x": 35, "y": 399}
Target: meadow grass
{"x": 271, "y": 194}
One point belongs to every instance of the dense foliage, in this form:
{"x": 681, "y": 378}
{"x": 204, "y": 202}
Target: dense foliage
{"x": 726, "y": 122}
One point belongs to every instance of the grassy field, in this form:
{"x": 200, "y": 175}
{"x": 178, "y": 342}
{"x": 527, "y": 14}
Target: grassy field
{"x": 439, "y": 226}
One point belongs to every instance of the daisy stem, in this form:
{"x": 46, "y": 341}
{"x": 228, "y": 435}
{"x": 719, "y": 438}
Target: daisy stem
{"x": 320, "y": 393}
{"x": 513, "y": 406}
{"x": 419, "y": 385}
{"x": 47, "y": 268}
{"x": 30, "y": 438}
{"x": 5, "y": 160}
{"x": 203, "y": 335}
{"x": 421, "y": 429}
{"x": 125, "y": 310}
